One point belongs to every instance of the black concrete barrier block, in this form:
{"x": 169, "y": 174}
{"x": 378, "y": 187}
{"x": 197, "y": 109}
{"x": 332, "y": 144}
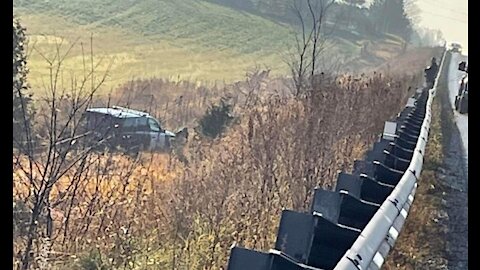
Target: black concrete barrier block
{"x": 414, "y": 119}
{"x": 405, "y": 144}
{"x": 421, "y": 93}
{"x": 381, "y": 154}
{"x": 411, "y": 119}
{"x": 419, "y": 111}
{"x": 295, "y": 234}
{"x": 353, "y": 184}
{"x": 409, "y": 133}
{"x": 328, "y": 203}
{"x": 330, "y": 243}
{"x": 386, "y": 174}
{"x": 378, "y": 171}
{"x": 363, "y": 187}
{"x": 420, "y": 106}
{"x": 395, "y": 162}
{"x": 406, "y": 137}
{"x": 412, "y": 113}
{"x": 241, "y": 258}
{"x": 422, "y": 98}
{"x": 407, "y": 110}
{"x": 401, "y": 152}
{"x": 421, "y": 101}
{"x": 364, "y": 167}
{"x": 377, "y": 150}
{"x": 282, "y": 261}
{"x": 417, "y": 120}
{"x": 411, "y": 123}
{"x": 343, "y": 208}
{"x": 417, "y": 114}
{"x": 407, "y": 130}
{"x": 415, "y": 129}
{"x": 246, "y": 259}
{"x": 313, "y": 240}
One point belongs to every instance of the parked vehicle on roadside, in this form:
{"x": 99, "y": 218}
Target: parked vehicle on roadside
{"x": 456, "y": 47}
{"x": 461, "y": 99}
{"x": 129, "y": 129}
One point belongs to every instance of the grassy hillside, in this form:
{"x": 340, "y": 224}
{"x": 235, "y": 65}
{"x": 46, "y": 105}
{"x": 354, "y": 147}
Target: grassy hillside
{"x": 188, "y": 39}
{"x": 191, "y": 39}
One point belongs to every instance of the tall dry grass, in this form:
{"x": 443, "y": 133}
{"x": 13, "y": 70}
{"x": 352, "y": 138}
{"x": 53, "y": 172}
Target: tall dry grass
{"x": 155, "y": 212}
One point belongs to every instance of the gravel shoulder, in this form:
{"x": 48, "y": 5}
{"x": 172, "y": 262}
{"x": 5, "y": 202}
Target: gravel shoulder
{"x": 435, "y": 235}
{"x": 461, "y": 121}
{"x": 454, "y": 172}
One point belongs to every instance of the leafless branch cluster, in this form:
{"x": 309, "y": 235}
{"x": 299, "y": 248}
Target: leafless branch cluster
{"x": 52, "y": 151}
{"x": 311, "y": 41}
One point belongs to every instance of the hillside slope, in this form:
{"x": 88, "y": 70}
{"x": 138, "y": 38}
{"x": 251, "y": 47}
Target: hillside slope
{"x": 188, "y": 39}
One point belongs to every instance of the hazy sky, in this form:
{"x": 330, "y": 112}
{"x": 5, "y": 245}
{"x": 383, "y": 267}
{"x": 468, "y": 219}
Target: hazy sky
{"x": 449, "y": 16}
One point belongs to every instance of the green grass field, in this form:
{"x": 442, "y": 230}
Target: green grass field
{"x": 188, "y": 40}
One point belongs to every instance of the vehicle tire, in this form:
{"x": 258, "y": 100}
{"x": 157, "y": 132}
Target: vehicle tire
{"x": 457, "y": 101}
{"x": 140, "y": 148}
{"x": 168, "y": 143}
{"x": 463, "y": 106}
{"x": 133, "y": 151}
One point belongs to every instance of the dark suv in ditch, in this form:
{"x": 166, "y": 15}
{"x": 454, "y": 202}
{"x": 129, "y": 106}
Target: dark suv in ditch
{"x": 129, "y": 129}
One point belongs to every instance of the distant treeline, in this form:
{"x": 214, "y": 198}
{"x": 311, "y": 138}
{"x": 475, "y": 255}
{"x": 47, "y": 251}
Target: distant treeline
{"x": 371, "y": 19}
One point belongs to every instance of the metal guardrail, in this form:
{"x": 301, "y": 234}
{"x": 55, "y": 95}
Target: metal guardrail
{"x": 355, "y": 226}
{"x": 379, "y": 236}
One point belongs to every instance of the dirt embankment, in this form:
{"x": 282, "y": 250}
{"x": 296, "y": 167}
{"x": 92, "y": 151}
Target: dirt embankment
{"x": 387, "y": 58}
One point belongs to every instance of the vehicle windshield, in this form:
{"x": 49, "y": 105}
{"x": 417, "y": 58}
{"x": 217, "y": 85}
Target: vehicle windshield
{"x": 154, "y": 126}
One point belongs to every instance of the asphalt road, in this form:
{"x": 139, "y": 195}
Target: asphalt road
{"x": 454, "y": 76}
{"x": 455, "y": 176}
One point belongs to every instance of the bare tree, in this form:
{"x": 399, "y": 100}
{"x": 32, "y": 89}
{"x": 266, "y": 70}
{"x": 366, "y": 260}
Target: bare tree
{"x": 53, "y": 147}
{"x": 310, "y": 41}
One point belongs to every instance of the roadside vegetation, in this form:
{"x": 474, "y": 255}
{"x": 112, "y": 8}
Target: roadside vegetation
{"x": 258, "y": 144}
{"x": 108, "y": 210}
{"x": 112, "y": 210}
{"x": 422, "y": 243}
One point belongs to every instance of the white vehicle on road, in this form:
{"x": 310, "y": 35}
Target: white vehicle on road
{"x": 461, "y": 99}
{"x": 456, "y": 47}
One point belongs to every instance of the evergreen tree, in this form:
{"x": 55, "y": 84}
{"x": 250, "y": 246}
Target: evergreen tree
{"x": 216, "y": 120}
{"x": 389, "y": 16}
{"x": 353, "y": 5}
{"x": 21, "y": 97}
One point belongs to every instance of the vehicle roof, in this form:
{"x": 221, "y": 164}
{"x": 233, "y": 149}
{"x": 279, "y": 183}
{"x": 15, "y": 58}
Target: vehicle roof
{"x": 118, "y": 112}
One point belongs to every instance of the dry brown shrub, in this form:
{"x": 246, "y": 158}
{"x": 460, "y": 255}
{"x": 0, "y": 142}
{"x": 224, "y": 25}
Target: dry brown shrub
{"x": 157, "y": 212}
